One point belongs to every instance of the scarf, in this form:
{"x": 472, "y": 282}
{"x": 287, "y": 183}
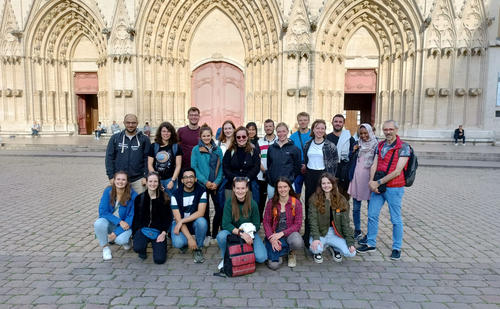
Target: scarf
{"x": 367, "y": 149}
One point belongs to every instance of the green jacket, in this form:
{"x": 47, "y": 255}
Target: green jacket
{"x": 320, "y": 223}
{"x": 228, "y": 222}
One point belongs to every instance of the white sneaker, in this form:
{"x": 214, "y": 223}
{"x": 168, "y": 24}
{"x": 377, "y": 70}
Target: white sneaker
{"x": 106, "y": 253}
{"x": 221, "y": 265}
{"x": 206, "y": 242}
{"x": 126, "y": 246}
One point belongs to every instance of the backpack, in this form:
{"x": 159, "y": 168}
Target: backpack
{"x": 411, "y": 168}
{"x": 161, "y": 167}
{"x": 239, "y": 258}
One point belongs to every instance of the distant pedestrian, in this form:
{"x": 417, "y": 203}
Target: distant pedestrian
{"x": 115, "y": 128}
{"x": 99, "y": 130}
{"x": 459, "y": 134}
{"x": 35, "y": 129}
{"x": 147, "y": 129}
{"x": 116, "y": 212}
{"x": 189, "y": 136}
{"x": 128, "y": 151}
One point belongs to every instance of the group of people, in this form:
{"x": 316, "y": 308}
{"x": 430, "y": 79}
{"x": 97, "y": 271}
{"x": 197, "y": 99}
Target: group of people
{"x": 167, "y": 188}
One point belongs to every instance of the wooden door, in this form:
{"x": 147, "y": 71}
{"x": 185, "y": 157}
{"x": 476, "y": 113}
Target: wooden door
{"x": 82, "y": 115}
{"x": 218, "y": 91}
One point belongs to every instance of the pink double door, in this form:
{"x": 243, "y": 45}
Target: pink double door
{"x": 218, "y": 91}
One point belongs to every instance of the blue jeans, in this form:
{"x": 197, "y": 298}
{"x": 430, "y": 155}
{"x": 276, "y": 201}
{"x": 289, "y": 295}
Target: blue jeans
{"x": 103, "y": 228}
{"x": 333, "y": 241}
{"x": 298, "y": 183}
{"x": 200, "y": 227}
{"x": 258, "y": 246}
{"x": 254, "y": 187}
{"x": 394, "y": 197}
{"x": 164, "y": 183}
{"x": 270, "y": 192}
{"x": 356, "y": 213}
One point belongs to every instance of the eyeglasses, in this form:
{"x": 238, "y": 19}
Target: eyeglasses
{"x": 241, "y": 137}
{"x": 189, "y": 177}
{"x": 130, "y": 123}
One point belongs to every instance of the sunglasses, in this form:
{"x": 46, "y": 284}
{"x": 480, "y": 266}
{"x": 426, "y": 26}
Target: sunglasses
{"x": 241, "y": 136}
{"x": 240, "y": 178}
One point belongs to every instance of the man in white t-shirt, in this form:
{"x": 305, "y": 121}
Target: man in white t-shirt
{"x": 188, "y": 207}
{"x": 264, "y": 144}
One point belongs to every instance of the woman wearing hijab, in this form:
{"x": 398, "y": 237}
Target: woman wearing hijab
{"x": 363, "y": 155}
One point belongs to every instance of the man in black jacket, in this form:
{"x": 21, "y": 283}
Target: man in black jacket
{"x": 128, "y": 151}
{"x": 283, "y": 159}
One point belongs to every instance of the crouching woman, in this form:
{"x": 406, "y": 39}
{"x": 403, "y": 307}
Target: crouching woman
{"x": 239, "y": 209}
{"x": 282, "y": 222}
{"x": 116, "y": 212}
{"x": 329, "y": 221}
{"x": 152, "y": 220}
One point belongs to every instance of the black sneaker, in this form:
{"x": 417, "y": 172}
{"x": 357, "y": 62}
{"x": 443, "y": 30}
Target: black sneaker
{"x": 396, "y": 255}
{"x": 318, "y": 258}
{"x": 363, "y": 241}
{"x": 198, "y": 256}
{"x": 143, "y": 256}
{"x": 183, "y": 249}
{"x": 365, "y": 248}
{"x": 357, "y": 235}
{"x": 336, "y": 256}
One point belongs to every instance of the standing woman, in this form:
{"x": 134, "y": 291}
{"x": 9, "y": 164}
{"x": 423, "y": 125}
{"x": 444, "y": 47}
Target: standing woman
{"x": 282, "y": 222}
{"x": 329, "y": 221}
{"x": 206, "y": 160}
{"x": 240, "y": 160}
{"x": 252, "y": 133}
{"x": 226, "y": 136}
{"x": 116, "y": 212}
{"x": 363, "y": 155}
{"x": 241, "y": 208}
{"x": 320, "y": 155}
{"x": 152, "y": 220}
{"x": 165, "y": 156}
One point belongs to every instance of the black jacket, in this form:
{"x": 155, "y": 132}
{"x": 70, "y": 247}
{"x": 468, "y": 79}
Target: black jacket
{"x": 129, "y": 155}
{"x": 233, "y": 167}
{"x": 283, "y": 161}
{"x": 160, "y": 216}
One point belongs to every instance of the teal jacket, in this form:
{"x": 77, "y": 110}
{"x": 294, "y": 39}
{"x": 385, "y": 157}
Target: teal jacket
{"x": 202, "y": 161}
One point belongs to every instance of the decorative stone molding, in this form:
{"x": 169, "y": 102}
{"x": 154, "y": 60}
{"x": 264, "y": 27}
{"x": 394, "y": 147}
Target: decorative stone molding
{"x": 477, "y": 51}
{"x": 444, "y": 92}
{"x": 291, "y": 92}
{"x": 8, "y": 92}
{"x": 127, "y": 93}
{"x": 474, "y": 92}
{"x": 430, "y": 92}
{"x": 303, "y": 92}
{"x": 0, "y": 93}
{"x": 463, "y": 51}
{"x": 434, "y": 51}
{"x": 18, "y": 93}
{"x": 460, "y": 92}
{"x": 446, "y": 51}
{"x": 117, "y": 93}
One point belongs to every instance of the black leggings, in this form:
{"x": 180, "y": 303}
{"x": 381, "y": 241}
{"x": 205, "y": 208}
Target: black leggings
{"x": 311, "y": 179}
{"x": 159, "y": 248}
{"x": 217, "y": 220}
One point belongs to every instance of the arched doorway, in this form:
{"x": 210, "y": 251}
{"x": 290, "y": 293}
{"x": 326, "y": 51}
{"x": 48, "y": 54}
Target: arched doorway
{"x": 218, "y": 91}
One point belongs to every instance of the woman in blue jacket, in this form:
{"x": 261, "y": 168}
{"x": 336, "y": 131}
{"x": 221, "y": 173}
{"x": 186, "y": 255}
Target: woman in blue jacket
{"x": 206, "y": 160}
{"x": 116, "y": 213}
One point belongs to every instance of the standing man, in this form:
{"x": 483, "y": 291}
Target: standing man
{"x": 345, "y": 142}
{"x": 128, "y": 151}
{"x": 391, "y": 158}
{"x": 189, "y": 136}
{"x": 264, "y": 143}
{"x": 300, "y": 138}
{"x": 188, "y": 205}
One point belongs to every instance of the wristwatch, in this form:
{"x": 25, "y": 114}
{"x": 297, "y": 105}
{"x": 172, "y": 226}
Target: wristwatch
{"x": 378, "y": 181}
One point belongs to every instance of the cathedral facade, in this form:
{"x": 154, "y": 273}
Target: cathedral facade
{"x": 429, "y": 64}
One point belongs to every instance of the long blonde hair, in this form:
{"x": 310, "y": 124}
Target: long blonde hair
{"x": 114, "y": 192}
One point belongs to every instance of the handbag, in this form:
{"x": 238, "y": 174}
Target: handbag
{"x": 381, "y": 174}
{"x": 150, "y": 232}
{"x": 239, "y": 258}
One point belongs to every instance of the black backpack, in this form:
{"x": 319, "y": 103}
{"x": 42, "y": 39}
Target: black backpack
{"x": 411, "y": 168}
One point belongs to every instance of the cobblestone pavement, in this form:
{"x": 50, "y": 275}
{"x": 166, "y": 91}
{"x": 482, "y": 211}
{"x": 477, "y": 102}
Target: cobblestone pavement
{"x": 50, "y": 258}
